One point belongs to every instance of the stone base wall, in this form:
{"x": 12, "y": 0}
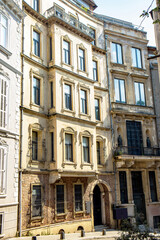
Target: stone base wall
{"x": 49, "y": 218}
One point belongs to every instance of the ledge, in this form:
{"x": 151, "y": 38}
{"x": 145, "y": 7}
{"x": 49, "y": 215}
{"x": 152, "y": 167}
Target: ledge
{"x": 5, "y": 51}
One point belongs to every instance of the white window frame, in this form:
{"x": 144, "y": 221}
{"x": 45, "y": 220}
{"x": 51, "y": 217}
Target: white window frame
{"x": 2, "y": 78}
{"x": 3, "y": 172}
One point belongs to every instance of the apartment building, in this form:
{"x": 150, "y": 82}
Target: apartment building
{"x": 10, "y": 75}
{"x": 136, "y": 152}
{"x": 67, "y": 169}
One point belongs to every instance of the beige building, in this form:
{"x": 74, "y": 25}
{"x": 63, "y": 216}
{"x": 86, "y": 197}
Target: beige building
{"x": 136, "y": 152}
{"x": 67, "y": 170}
{"x": 10, "y": 76}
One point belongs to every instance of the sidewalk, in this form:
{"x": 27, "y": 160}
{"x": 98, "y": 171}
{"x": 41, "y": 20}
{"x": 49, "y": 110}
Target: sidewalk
{"x": 110, "y": 235}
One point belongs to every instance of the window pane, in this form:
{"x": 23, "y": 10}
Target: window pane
{"x": 81, "y": 59}
{"x": 36, "y": 91}
{"x": 116, "y": 86}
{"x": 153, "y": 188}
{"x": 97, "y": 110}
{"x": 114, "y": 56}
{"x": 137, "y": 96}
{"x": 123, "y": 187}
{"x": 36, "y": 201}
{"x": 34, "y": 145}
{"x": 139, "y": 62}
{"x": 60, "y": 198}
{"x": 122, "y": 90}
{"x": 68, "y": 147}
{"x": 78, "y": 198}
{"x": 95, "y": 77}
{"x": 86, "y": 149}
{"x": 142, "y": 94}
{"x": 68, "y": 100}
{"x": 52, "y": 146}
{"x": 119, "y": 53}
{"x": 134, "y": 57}
{"x": 98, "y": 153}
{"x": 83, "y": 101}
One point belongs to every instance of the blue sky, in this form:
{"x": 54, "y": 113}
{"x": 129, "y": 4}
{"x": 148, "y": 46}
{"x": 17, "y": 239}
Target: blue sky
{"x": 129, "y": 11}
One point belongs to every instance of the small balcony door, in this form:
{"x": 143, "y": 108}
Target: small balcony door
{"x": 134, "y": 138}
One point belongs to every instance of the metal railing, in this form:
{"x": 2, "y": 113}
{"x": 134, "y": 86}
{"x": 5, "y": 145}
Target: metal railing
{"x": 57, "y": 12}
{"x": 146, "y": 151}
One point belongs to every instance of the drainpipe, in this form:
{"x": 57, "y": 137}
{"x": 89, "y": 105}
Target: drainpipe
{"x": 110, "y": 108}
{"x": 21, "y": 133}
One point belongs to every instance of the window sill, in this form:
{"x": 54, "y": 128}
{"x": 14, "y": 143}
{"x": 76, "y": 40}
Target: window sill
{"x": 2, "y": 235}
{"x": 37, "y": 106}
{"x": 85, "y": 115}
{"x": 36, "y": 218}
{"x": 69, "y": 164}
{"x": 86, "y": 165}
{"x": 60, "y": 214}
{"x": 154, "y": 203}
{"x": 36, "y": 57}
{"x": 68, "y": 111}
{"x": 101, "y": 165}
{"x": 138, "y": 69}
{"x": 98, "y": 121}
{"x": 118, "y": 65}
{"x": 3, "y": 195}
{"x": 68, "y": 65}
{"x": 37, "y": 161}
{"x": 78, "y": 212}
{"x": 5, "y": 51}
{"x": 81, "y": 71}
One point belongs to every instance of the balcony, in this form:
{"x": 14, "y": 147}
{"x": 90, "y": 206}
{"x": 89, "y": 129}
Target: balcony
{"x": 70, "y": 22}
{"x": 138, "y": 151}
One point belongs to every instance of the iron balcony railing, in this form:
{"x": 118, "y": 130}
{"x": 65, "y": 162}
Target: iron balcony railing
{"x": 146, "y": 151}
{"x": 57, "y": 12}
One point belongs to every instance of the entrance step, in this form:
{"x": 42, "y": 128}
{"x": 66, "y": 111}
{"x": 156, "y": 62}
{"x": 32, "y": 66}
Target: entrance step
{"x": 99, "y": 228}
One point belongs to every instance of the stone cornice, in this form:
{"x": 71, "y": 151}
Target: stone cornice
{"x": 12, "y": 6}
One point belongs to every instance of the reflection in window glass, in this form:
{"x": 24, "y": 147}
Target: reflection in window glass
{"x": 139, "y": 93}
{"x": 136, "y": 57}
{"x": 117, "y": 53}
{"x": 119, "y": 90}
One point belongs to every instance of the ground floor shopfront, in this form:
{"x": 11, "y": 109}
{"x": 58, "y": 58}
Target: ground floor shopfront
{"x": 52, "y": 203}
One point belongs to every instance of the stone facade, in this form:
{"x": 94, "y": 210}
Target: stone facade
{"x": 50, "y": 117}
{"x": 10, "y": 77}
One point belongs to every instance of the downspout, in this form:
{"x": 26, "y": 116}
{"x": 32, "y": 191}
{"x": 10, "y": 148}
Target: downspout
{"x": 110, "y": 108}
{"x": 21, "y": 133}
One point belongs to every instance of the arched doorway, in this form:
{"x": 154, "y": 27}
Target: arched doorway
{"x": 97, "y": 206}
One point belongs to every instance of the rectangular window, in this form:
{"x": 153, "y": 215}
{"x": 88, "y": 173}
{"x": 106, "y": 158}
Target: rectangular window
{"x": 123, "y": 187}
{"x": 81, "y": 59}
{"x": 3, "y": 159}
{"x": 117, "y": 53}
{"x": 68, "y": 148}
{"x": 139, "y": 93}
{"x": 97, "y": 109}
{"x": 93, "y": 34}
{"x": 66, "y": 52}
{"x": 83, "y": 95}
{"x": 86, "y": 153}
{"x": 136, "y": 58}
{"x": 52, "y": 146}
{"x": 36, "y": 43}
{"x": 119, "y": 90}
{"x": 36, "y": 5}
{"x": 156, "y": 221}
{"x": 51, "y": 88}
{"x": 50, "y": 49}
{"x": 153, "y": 188}
{"x": 36, "y": 90}
{"x": 78, "y": 198}
{"x": 3, "y": 31}
{"x": 98, "y": 146}
{"x": 60, "y": 198}
{"x": 95, "y": 71}
{"x": 36, "y": 201}
{"x": 1, "y": 224}
{"x": 68, "y": 98}
{"x": 3, "y": 103}
{"x": 34, "y": 145}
